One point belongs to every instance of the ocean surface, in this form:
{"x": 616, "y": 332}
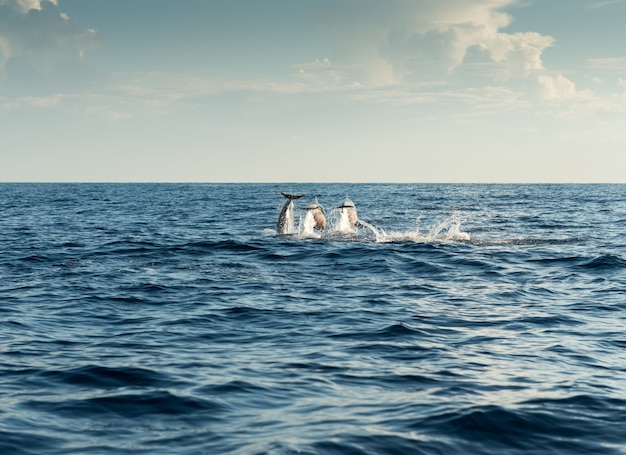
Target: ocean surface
{"x": 173, "y": 319}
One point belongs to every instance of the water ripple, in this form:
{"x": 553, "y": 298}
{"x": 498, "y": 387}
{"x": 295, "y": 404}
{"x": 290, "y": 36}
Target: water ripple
{"x": 148, "y": 319}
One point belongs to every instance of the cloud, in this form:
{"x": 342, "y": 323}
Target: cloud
{"x": 25, "y": 5}
{"x": 41, "y": 49}
{"x": 451, "y": 53}
{"x": 324, "y": 75}
{"x": 464, "y": 45}
{"x": 400, "y": 41}
{"x": 603, "y": 4}
{"x": 557, "y": 87}
{"x": 609, "y": 64}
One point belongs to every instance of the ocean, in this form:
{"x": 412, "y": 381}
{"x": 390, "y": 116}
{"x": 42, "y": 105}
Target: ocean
{"x": 174, "y": 319}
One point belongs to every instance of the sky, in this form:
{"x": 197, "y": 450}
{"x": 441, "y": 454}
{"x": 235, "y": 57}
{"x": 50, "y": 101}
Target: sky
{"x": 493, "y": 91}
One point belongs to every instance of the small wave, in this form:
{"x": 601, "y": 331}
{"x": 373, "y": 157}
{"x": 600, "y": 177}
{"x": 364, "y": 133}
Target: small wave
{"x": 235, "y": 386}
{"x": 489, "y": 429}
{"x": 97, "y": 376}
{"x": 26, "y": 443}
{"x": 11, "y": 324}
{"x": 392, "y": 332}
{"x": 360, "y": 444}
{"x": 614, "y": 407}
{"x": 154, "y": 403}
{"x": 244, "y": 393}
{"x": 404, "y": 381}
{"x": 604, "y": 263}
{"x": 226, "y": 245}
{"x": 550, "y": 321}
{"x": 525, "y": 241}
{"x": 35, "y": 258}
{"x": 557, "y": 261}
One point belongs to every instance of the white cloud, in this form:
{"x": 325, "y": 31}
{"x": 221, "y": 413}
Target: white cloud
{"x": 26, "y": 5}
{"x": 319, "y": 72}
{"x": 454, "y": 53}
{"x": 415, "y": 40}
{"x": 603, "y": 4}
{"x": 400, "y": 52}
{"x": 609, "y": 64}
{"x": 521, "y": 51}
{"x": 557, "y": 87}
{"x": 41, "y": 49}
{"x": 127, "y": 95}
{"x": 622, "y": 84}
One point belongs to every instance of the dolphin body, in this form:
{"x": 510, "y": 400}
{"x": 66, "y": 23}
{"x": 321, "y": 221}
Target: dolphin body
{"x": 349, "y": 209}
{"x": 285, "y": 219}
{"x": 319, "y": 215}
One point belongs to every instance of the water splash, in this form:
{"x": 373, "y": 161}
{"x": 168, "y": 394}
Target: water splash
{"x": 341, "y": 227}
{"x": 306, "y": 226}
{"x": 290, "y": 223}
{"x": 339, "y": 222}
{"x": 446, "y": 230}
{"x": 379, "y": 233}
{"x": 450, "y": 229}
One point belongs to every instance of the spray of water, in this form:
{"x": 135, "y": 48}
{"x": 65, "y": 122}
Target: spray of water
{"x": 290, "y": 222}
{"x": 341, "y": 227}
{"x": 339, "y": 222}
{"x": 445, "y": 230}
{"x": 379, "y": 233}
{"x": 306, "y": 226}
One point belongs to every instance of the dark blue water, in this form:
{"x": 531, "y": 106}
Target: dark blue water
{"x": 163, "y": 318}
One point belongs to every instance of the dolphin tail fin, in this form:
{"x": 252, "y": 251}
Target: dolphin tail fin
{"x": 292, "y": 196}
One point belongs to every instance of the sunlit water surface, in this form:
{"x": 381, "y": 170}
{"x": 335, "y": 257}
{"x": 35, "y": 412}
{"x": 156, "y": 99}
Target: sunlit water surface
{"x": 457, "y": 319}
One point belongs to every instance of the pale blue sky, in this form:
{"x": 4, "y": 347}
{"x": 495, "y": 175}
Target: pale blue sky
{"x": 318, "y": 90}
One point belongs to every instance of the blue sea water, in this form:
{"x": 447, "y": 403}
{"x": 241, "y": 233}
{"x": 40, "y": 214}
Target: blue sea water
{"x": 173, "y": 319}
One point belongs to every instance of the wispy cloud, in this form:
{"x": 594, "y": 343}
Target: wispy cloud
{"x": 400, "y": 52}
{"x": 397, "y": 53}
{"x": 610, "y": 64}
{"x": 414, "y": 40}
{"x": 41, "y": 49}
{"x": 603, "y": 4}
{"x": 26, "y": 5}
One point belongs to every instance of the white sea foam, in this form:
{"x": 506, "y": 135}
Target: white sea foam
{"x": 447, "y": 230}
{"x": 306, "y": 226}
{"x": 340, "y": 227}
{"x": 340, "y": 222}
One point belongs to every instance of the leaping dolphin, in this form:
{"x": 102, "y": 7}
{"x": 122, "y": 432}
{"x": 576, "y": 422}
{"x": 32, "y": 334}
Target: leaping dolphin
{"x": 349, "y": 209}
{"x": 349, "y": 220}
{"x": 319, "y": 215}
{"x": 285, "y": 219}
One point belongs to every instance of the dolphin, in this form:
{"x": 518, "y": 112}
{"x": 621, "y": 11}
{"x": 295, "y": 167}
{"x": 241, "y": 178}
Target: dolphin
{"x": 285, "y": 219}
{"x": 348, "y": 220}
{"x": 319, "y": 215}
{"x": 349, "y": 216}
{"x": 349, "y": 209}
